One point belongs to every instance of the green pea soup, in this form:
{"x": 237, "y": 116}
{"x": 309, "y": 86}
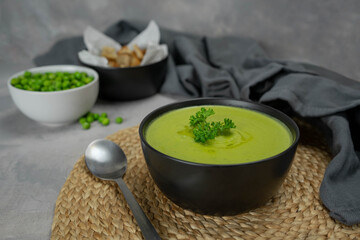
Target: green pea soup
{"x": 257, "y": 136}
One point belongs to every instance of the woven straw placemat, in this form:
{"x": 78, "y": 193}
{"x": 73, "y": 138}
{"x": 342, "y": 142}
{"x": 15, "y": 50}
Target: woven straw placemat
{"x": 89, "y": 208}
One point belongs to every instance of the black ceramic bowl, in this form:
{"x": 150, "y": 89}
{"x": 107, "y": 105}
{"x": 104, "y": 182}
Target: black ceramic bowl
{"x": 218, "y": 189}
{"x": 130, "y": 83}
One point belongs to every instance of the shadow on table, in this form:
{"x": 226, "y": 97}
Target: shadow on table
{"x": 17, "y": 124}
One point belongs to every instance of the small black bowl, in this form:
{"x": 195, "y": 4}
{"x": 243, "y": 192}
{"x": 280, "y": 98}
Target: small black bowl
{"x": 218, "y": 189}
{"x": 130, "y": 83}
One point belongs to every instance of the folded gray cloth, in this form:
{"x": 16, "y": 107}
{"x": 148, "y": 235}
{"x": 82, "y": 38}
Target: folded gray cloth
{"x": 238, "y": 68}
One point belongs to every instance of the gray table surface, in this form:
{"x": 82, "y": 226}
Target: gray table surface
{"x": 35, "y": 160}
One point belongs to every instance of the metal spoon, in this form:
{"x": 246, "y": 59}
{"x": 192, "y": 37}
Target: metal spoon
{"x": 106, "y": 160}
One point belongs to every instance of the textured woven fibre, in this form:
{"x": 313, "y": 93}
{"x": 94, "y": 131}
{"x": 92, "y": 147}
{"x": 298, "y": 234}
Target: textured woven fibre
{"x": 90, "y": 208}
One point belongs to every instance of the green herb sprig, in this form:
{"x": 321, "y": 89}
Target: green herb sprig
{"x": 204, "y": 130}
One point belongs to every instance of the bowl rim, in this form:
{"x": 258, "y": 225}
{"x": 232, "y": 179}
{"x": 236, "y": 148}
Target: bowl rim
{"x": 41, "y": 69}
{"x": 203, "y": 101}
{"x": 122, "y": 68}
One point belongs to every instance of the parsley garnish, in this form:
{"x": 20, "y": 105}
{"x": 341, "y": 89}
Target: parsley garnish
{"x": 204, "y": 130}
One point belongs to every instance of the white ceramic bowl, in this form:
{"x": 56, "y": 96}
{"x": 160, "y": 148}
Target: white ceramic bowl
{"x": 59, "y": 107}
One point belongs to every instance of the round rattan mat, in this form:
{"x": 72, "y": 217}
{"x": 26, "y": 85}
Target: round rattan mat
{"x": 89, "y": 208}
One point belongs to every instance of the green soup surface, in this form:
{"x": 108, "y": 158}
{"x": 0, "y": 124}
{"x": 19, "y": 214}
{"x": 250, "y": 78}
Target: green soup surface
{"x": 257, "y": 136}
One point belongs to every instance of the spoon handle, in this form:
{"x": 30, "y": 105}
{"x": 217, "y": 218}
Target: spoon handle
{"x": 144, "y": 223}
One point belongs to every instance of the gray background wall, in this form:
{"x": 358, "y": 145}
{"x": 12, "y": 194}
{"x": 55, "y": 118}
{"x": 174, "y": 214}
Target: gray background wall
{"x": 325, "y": 33}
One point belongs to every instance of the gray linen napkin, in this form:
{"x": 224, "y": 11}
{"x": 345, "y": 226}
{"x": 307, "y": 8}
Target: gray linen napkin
{"x": 238, "y": 68}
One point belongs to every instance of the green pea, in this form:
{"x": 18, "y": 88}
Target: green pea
{"x": 15, "y": 81}
{"x": 96, "y": 116}
{"x": 37, "y": 75}
{"x": 85, "y": 125}
{"x": 104, "y": 115}
{"x": 36, "y": 87}
{"x": 119, "y": 120}
{"x": 51, "y": 76}
{"x": 24, "y": 81}
{"x": 58, "y": 84}
{"x": 77, "y": 75}
{"x": 46, "y": 83}
{"x": 87, "y": 80}
{"x": 27, "y": 74}
{"x": 90, "y": 118}
{"x": 82, "y": 120}
{"x": 65, "y": 84}
{"x": 59, "y": 74}
{"x": 105, "y": 121}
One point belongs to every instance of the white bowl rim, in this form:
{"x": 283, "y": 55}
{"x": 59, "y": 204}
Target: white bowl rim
{"x": 59, "y": 68}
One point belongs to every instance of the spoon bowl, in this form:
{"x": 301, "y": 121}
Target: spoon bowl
{"x": 105, "y": 159}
